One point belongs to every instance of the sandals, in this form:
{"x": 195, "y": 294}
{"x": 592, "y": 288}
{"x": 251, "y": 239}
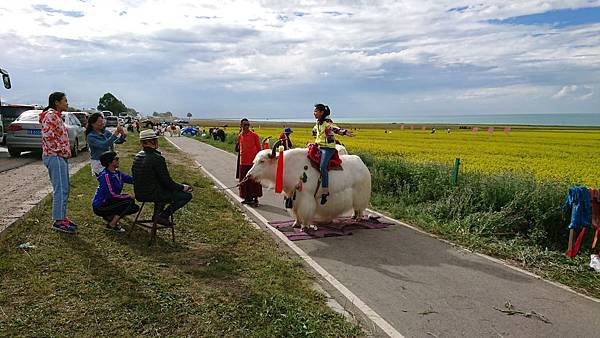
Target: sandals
{"x": 116, "y": 228}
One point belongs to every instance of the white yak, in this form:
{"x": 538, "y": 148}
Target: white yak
{"x": 349, "y": 189}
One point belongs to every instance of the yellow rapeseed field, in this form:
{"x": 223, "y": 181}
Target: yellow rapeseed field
{"x": 558, "y": 154}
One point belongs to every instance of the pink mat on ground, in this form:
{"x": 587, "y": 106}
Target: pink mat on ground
{"x": 342, "y": 226}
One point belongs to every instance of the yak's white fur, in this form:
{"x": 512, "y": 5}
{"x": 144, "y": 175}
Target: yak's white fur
{"x": 341, "y": 149}
{"x": 349, "y": 189}
{"x": 174, "y": 132}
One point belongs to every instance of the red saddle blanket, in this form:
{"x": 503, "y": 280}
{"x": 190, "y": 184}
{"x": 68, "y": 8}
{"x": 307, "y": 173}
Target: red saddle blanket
{"x": 314, "y": 156}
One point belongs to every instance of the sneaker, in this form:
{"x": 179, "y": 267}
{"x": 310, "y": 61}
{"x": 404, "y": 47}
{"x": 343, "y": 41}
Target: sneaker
{"x": 63, "y": 226}
{"x": 324, "y": 198}
{"x": 71, "y": 222}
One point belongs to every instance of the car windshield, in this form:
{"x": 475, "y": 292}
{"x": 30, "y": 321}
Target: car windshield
{"x": 29, "y": 116}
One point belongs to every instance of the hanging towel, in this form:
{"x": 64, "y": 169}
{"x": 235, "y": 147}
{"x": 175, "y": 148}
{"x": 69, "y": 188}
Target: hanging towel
{"x": 579, "y": 202}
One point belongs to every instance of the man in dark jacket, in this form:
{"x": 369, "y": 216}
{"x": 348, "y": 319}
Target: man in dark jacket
{"x": 152, "y": 182}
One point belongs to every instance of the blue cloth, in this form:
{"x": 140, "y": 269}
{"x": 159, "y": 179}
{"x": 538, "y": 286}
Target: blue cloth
{"x": 110, "y": 185}
{"x": 578, "y": 200}
{"x": 326, "y": 154}
{"x": 58, "y": 170}
{"x": 189, "y": 130}
{"x": 99, "y": 143}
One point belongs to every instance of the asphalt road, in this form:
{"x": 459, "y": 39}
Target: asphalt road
{"x": 425, "y": 287}
{"x": 7, "y": 162}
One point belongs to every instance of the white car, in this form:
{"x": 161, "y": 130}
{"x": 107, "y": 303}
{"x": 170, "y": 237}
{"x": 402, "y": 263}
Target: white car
{"x": 25, "y": 134}
{"x": 1, "y": 130}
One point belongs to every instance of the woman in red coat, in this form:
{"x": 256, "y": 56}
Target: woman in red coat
{"x": 248, "y": 145}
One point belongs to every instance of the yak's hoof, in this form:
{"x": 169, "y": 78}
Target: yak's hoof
{"x": 311, "y": 227}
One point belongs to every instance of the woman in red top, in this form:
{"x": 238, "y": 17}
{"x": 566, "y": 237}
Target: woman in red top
{"x": 248, "y": 146}
{"x": 55, "y": 152}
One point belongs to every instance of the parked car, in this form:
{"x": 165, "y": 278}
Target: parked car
{"x": 82, "y": 117}
{"x": 10, "y": 113}
{"x": 111, "y": 121}
{"x": 25, "y": 134}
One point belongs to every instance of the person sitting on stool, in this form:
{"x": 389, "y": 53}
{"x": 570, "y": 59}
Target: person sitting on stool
{"x": 152, "y": 182}
{"x": 108, "y": 201}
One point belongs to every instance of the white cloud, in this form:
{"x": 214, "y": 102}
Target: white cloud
{"x": 333, "y": 48}
{"x": 575, "y": 92}
{"x": 501, "y": 92}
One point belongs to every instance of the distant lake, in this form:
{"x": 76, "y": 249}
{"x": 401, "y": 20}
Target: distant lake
{"x": 575, "y": 119}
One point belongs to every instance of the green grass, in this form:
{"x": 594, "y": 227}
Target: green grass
{"x": 221, "y": 278}
{"x": 228, "y": 145}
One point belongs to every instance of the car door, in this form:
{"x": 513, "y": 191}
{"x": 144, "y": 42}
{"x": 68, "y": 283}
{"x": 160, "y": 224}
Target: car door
{"x": 78, "y": 130}
{"x": 1, "y": 130}
{"x": 69, "y": 125}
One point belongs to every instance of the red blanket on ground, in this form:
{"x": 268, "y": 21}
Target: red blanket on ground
{"x": 314, "y": 156}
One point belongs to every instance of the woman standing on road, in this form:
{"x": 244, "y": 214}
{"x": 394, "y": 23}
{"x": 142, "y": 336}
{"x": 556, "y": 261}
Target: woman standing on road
{"x": 55, "y": 152}
{"x": 100, "y": 140}
{"x": 248, "y": 146}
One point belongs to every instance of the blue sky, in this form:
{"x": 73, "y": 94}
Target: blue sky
{"x": 276, "y": 59}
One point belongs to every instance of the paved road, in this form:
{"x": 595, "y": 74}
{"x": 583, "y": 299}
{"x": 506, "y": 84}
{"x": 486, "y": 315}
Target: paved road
{"x": 425, "y": 287}
{"x": 7, "y": 162}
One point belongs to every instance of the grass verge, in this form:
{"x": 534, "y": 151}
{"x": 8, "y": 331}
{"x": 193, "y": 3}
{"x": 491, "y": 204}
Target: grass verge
{"x": 222, "y": 278}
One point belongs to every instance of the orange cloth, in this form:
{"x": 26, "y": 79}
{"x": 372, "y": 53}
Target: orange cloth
{"x": 249, "y": 147}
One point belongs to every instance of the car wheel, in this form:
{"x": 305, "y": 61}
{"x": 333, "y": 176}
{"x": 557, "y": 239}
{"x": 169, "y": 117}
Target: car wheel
{"x": 14, "y": 152}
{"x": 75, "y": 150}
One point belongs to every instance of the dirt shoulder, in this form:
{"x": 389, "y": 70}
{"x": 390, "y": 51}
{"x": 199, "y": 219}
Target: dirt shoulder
{"x": 26, "y": 186}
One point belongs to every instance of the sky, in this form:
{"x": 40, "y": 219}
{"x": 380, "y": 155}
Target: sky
{"x": 276, "y": 59}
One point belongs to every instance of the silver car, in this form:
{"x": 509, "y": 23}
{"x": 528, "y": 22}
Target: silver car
{"x": 111, "y": 121}
{"x": 25, "y": 134}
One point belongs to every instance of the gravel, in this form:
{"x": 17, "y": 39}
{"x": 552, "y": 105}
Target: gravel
{"x": 24, "y": 187}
